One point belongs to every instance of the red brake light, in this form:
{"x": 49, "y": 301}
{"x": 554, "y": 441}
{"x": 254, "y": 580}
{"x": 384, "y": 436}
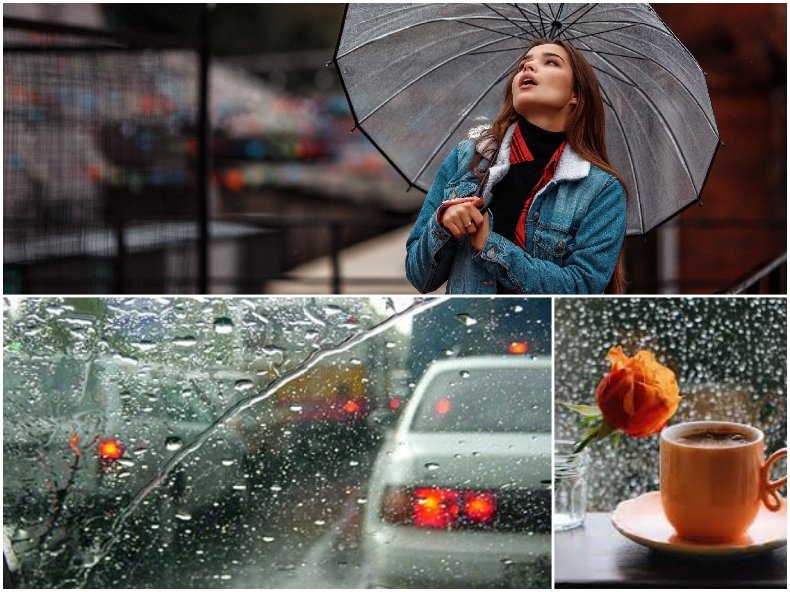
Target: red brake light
{"x": 442, "y": 406}
{"x": 435, "y": 508}
{"x": 518, "y": 348}
{"x": 110, "y": 449}
{"x": 394, "y": 404}
{"x": 479, "y": 507}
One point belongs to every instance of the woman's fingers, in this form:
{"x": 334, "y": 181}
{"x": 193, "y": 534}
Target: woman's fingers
{"x": 462, "y": 219}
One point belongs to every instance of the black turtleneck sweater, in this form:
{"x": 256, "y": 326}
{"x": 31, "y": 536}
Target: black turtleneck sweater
{"x": 509, "y": 195}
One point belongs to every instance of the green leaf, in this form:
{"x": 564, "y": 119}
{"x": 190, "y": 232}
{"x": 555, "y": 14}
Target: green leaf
{"x": 584, "y": 410}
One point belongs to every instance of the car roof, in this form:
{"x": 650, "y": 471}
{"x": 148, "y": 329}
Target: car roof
{"x": 490, "y": 362}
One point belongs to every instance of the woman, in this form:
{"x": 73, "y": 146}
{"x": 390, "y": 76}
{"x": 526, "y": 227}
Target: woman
{"x": 553, "y": 208}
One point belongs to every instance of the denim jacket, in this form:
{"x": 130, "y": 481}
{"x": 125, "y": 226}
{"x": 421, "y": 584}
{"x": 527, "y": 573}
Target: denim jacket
{"x": 574, "y": 230}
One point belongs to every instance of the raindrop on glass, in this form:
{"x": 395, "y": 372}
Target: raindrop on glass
{"x": 431, "y": 466}
{"x": 174, "y": 443}
{"x": 223, "y": 325}
{"x": 243, "y": 385}
{"x": 466, "y": 320}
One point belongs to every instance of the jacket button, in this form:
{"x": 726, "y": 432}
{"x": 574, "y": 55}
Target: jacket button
{"x": 491, "y": 253}
{"x": 559, "y": 247}
{"x": 535, "y": 216}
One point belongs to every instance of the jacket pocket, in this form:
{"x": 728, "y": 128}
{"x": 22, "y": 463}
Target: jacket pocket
{"x": 553, "y": 244}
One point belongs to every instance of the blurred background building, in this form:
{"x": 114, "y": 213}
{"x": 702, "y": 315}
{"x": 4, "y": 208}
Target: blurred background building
{"x": 108, "y": 188}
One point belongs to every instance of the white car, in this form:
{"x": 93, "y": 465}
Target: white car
{"x": 460, "y": 495}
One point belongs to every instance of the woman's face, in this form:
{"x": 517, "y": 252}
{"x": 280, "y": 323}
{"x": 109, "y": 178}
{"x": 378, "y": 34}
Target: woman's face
{"x": 543, "y": 87}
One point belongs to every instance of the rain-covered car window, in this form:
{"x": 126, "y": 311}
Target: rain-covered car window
{"x": 729, "y": 356}
{"x": 211, "y": 442}
{"x": 486, "y": 401}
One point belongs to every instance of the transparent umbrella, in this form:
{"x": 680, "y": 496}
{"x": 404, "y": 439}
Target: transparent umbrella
{"x": 420, "y": 77}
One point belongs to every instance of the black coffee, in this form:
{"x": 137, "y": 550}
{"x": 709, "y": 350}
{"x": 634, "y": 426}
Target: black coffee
{"x": 715, "y": 438}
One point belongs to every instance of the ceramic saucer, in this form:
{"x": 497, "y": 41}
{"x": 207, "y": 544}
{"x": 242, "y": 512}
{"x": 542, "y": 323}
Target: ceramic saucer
{"x": 643, "y": 521}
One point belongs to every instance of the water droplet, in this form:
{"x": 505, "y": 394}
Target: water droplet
{"x": 464, "y": 374}
{"x": 296, "y": 408}
{"x": 240, "y": 487}
{"x": 243, "y": 385}
{"x": 174, "y": 443}
{"x": 362, "y": 500}
{"x": 223, "y": 325}
{"x": 268, "y": 539}
{"x": 275, "y": 488}
{"x": 187, "y": 341}
{"x": 319, "y": 522}
{"x": 353, "y": 463}
{"x": 184, "y": 516}
{"x": 431, "y": 466}
{"x": 144, "y": 345}
{"x": 228, "y": 463}
{"x": 466, "y": 320}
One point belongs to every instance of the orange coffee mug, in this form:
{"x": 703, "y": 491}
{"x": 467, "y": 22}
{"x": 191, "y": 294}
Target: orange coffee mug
{"x": 714, "y": 476}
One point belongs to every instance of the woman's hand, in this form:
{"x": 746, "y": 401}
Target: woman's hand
{"x": 464, "y": 219}
{"x": 479, "y": 238}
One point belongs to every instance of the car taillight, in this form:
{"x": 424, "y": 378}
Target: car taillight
{"x": 435, "y": 507}
{"x": 110, "y": 449}
{"x": 480, "y": 506}
{"x": 518, "y": 348}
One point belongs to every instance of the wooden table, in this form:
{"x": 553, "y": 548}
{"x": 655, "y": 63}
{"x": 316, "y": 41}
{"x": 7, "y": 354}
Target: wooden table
{"x": 597, "y": 556}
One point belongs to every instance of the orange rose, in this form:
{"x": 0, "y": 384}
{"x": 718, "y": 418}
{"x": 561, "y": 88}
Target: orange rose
{"x": 638, "y": 395}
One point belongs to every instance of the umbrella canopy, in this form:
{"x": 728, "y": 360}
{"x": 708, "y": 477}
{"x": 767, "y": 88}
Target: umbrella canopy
{"x": 422, "y": 77}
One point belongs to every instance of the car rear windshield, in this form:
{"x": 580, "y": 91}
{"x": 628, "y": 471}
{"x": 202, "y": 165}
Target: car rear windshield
{"x": 486, "y": 400}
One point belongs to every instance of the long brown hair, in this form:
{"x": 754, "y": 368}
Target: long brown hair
{"x": 585, "y": 129}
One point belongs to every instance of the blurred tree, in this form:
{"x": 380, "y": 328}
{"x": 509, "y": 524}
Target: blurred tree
{"x": 238, "y": 29}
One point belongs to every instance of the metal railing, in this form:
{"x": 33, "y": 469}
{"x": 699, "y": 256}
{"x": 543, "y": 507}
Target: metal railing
{"x": 766, "y": 278}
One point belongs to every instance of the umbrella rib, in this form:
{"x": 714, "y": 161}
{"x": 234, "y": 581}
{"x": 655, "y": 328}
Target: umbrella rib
{"x": 581, "y": 16}
{"x": 423, "y": 75}
{"x": 460, "y": 19}
{"x": 508, "y": 35}
{"x": 526, "y": 16}
{"x": 630, "y": 158}
{"x": 613, "y": 54}
{"x": 502, "y": 16}
{"x": 540, "y": 16}
{"x": 660, "y": 115}
{"x": 572, "y": 14}
{"x": 599, "y": 33}
{"x": 458, "y": 123}
{"x": 610, "y": 75}
{"x": 668, "y": 71}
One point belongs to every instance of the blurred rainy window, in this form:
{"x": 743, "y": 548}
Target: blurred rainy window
{"x": 210, "y": 442}
{"x": 505, "y": 400}
{"x": 729, "y": 356}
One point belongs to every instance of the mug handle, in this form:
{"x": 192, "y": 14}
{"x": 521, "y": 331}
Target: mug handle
{"x": 770, "y": 497}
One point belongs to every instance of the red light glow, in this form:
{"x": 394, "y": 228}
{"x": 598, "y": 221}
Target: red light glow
{"x": 480, "y": 507}
{"x": 435, "y": 508}
{"x": 518, "y": 348}
{"x": 351, "y": 407}
{"x": 110, "y": 449}
{"x": 394, "y": 404}
{"x": 442, "y": 406}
